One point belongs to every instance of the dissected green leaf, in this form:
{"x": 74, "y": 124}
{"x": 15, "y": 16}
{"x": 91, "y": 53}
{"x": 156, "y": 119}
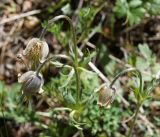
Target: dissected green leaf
{"x": 121, "y": 8}
{"x": 145, "y": 51}
{"x": 141, "y": 63}
{"x": 134, "y": 10}
{"x": 135, "y": 3}
{"x": 66, "y": 9}
{"x": 70, "y": 76}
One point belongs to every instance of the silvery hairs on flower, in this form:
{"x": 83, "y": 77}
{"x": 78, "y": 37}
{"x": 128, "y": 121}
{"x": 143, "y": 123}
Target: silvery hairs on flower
{"x": 31, "y": 83}
{"x": 36, "y": 51}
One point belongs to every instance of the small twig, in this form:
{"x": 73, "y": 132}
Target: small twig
{"x": 19, "y": 16}
{"x": 156, "y": 38}
{"x": 119, "y": 61}
{"x": 128, "y": 119}
{"x": 148, "y": 123}
{"x": 91, "y": 45}
{"x": 76, "y": 134}
{"x": 149, "y": 128}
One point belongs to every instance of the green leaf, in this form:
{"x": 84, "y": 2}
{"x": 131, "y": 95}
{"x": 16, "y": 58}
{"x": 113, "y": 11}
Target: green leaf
{"x": 141, "y": 63}
{"x": 110, "y": 68}
{"x": 145, "y": 51}
{"x": 135, "y": 15}
{"x": 135, "y": 3}
{"x": 70, "y": 76}
{"x": 136, "y": 92}
{"x": 87, "y": 58}
{"x": 121, "y": 8}
{"x": 153, "y": 7}
{"x": 60, "y": 65}
{"x": 69, "y": 99}
{"x": 89, "y": 80}
{"x": 66, "y": 9}
{"x": 56, "y": 30}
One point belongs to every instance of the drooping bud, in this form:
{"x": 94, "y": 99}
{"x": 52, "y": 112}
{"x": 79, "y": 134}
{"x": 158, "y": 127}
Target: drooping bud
{"x": 31, "y": 83}
{"x": 36, "y": 50}
{"x": 106, "y": 95}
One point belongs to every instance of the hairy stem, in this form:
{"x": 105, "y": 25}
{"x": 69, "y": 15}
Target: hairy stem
{"x": 4, "y": 116}
{"x": 49, "y": 59}
{"x": 134, "y": 120}
{"x": 126, "y": 71}
{"x": 81, "y": 133}
{"x": 76, "y": 64}
{"x": 139, "y": 101}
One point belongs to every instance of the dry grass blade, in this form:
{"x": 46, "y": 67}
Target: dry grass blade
{"x": 19, "y": 16}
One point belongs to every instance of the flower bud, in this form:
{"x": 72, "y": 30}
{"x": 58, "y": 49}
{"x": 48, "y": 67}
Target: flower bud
{"x": 36, "y": 50}
{"x": 31, "y": 83}
{"x": 106, "y": 96}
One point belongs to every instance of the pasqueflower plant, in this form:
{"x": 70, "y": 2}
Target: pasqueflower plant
{"x": 37, "y": 54}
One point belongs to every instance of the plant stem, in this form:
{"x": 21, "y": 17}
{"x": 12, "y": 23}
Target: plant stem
{"x": 81, "y": 133}
{"x": 49, "y": 59}
{"x": 139, "y": 101}
{"x": 4, "y": 116}
{"x": 134, "y": 120}
{"x": 76, "y": 64}
{"x": 126, "y": 71}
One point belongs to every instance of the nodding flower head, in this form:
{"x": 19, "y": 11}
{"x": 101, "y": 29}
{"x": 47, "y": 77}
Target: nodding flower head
{"x": 36, "y": 50}
{"x": 106, "y": 96}
{"x": 31, "y": 83}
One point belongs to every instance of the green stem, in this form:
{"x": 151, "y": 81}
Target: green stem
{"x": 76, "y": 64}
{"x": 50, "y": 22}
{"x": 4, "y": 116}
{"x": 49, "y": 59}
{"x": 81, "y": 133}
{"x": 126, "y": 71}
{"x": 77, "y": 84}
{"x": 139, "y": 101}
{"x": 134, "y": 120}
